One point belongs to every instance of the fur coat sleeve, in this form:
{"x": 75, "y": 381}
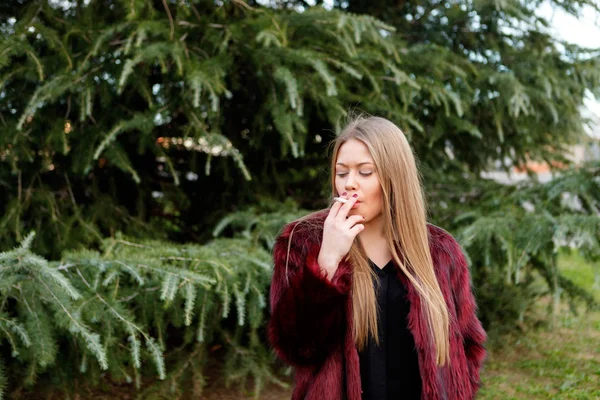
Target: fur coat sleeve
{"x": 462, "y": 300}
{"x": 307, "y": 310}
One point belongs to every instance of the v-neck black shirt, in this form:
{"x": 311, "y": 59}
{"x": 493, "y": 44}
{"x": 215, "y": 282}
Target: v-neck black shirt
{"x": 390, "y": 371}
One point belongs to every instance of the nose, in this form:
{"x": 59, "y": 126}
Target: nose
{"x": 350, "y": 182}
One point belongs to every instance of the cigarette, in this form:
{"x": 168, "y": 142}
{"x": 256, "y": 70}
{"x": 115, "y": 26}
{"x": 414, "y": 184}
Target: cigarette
{"x": 341, "y": 200}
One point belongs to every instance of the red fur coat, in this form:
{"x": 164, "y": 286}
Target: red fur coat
{"x": 311, "y": 321}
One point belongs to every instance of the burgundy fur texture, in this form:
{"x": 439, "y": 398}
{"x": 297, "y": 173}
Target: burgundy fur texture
{"x": 311, "y": 321}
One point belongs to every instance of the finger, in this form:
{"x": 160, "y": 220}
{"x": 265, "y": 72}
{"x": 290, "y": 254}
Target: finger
{"x": 338, "y": 202}
{"x": 356, "y": 229}
{"x": 335, "y": 208}
{"x": 353, "y": 220}
{"x": 345, "y": 209}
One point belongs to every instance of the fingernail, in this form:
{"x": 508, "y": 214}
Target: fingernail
{"x": 345, "y": 193}
{"x": 355, "y": 195}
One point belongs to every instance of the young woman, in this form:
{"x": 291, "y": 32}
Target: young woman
{"x": 368, "y": 300}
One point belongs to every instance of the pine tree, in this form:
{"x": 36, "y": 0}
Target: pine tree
{"x": 134, "y": 304}
{"x": 91, "y": 102}
{"x": 167, "y": 97}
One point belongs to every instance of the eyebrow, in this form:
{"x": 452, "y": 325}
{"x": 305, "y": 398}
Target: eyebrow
{"x": 359, "y": 164}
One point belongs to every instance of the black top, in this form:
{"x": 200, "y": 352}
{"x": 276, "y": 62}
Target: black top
{"x": 390, "y": 371}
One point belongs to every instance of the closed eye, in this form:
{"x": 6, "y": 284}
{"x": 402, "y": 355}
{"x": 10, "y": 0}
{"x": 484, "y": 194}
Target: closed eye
{"x": 342, "y": 174}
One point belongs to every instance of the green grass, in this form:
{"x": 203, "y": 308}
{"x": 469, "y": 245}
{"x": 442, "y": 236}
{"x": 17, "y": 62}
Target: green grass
{"x": 574, "y": 267}
{"x": 560, "y": 363}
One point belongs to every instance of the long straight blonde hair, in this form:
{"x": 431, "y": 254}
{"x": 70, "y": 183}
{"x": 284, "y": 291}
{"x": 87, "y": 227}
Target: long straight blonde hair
{"x": 405, "y": 221}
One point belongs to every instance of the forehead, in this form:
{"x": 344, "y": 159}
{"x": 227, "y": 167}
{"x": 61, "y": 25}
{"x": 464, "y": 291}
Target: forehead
{"x": 353, "y": 152}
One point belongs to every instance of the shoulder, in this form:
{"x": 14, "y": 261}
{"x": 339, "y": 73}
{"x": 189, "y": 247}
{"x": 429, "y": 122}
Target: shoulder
{"x": 303, "y": 233}
{"x": 297, "y": 241}
{"x": 440, "y": 239}
{"x": 446, "y": 252}
{"x": 304, "y": 228}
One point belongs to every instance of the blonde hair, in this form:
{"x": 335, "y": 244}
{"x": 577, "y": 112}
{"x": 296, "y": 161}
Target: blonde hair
{"x": 404, "y": 216}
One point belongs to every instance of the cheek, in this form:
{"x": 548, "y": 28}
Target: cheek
{"x": 379, "y": 203}
{"x": 339, "y": 186}
{"x": 376, "y": 195}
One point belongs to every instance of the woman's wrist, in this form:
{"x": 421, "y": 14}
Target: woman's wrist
{"x": 329, "y": 265}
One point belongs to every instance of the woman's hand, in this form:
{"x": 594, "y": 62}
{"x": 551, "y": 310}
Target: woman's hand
{"x": 339, "y": 231}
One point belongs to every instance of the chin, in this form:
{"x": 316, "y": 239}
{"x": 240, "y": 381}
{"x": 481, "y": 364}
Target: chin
{"x": 359, "y": 212}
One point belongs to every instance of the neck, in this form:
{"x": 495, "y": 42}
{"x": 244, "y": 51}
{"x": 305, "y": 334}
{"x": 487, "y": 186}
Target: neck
{"x": 374, "y": 242}
{"x": 373, "y": 232}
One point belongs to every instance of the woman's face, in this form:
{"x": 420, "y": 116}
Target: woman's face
{"x": 355, "y": 174}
